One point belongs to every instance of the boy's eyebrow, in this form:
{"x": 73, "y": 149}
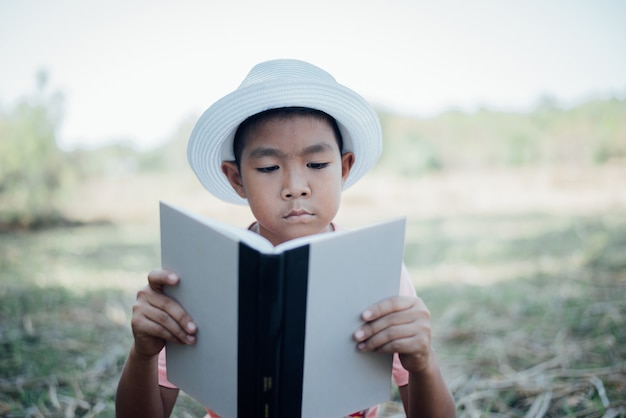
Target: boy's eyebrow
{"x": 261, "y": 152}
{"x": 316, "y": 148}
{"x": 266, "y": 152}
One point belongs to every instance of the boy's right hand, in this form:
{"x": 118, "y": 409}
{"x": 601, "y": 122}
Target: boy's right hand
{"x": 158, "y": 318}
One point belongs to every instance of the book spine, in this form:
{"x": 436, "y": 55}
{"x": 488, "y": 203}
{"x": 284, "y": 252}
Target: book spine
{"x": 247, "y": 362}
{"x": 269, "y": 333}
{"x": 272, "y": 322}
{"x": 296, "y": 266}
{"x": 261, "y": 291}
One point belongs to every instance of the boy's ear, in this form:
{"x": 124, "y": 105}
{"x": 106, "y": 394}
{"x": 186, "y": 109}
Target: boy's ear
{"x": 347, "y": 161}
{"x": 230, "y": 169}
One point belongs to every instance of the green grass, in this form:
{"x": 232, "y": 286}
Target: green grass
{"x": 65, "y": 302}
{"x": 541, "y": 314}
{"x": 529, "y": 311}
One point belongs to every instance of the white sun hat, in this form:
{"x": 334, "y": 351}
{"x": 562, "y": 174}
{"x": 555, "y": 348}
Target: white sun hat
{"x": 276, "y": 84}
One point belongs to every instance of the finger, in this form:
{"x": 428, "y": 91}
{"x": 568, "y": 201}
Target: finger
{"x": 411, "y": 312}
{"x": 158, "y": 278}
{"x": 150, "y": 319}
{"x": 149, "y": 330}
{"x": 395, "y": 346}
{"x": 370, "y": 329}
{"x": 167, "y": 327}
{"x": 167, "y": 307}
{"x": 172, "y": 310}
{"x": 391, "y": 338}
{"x": 387, "y": 306}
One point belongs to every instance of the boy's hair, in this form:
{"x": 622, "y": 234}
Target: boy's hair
{"x": 249, "y": 126}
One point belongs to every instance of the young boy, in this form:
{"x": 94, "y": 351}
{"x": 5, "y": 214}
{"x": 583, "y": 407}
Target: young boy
{"x": 286, "y": 142}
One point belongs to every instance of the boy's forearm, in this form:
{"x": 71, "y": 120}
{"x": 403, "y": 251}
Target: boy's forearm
{"x": 427, "y": 395}
{"x": 138, "y": 392}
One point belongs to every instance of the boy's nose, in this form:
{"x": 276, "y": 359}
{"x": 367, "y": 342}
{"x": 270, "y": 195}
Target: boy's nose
{"x": 287, "y": 194}
{"x": 295, "y": 187}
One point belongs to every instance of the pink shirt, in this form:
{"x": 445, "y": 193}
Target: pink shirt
{"x": 400, "y": 375}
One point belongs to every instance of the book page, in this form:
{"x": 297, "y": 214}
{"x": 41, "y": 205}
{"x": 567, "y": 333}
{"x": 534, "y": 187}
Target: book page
{"x": 234, "y": 233}
{"x": 206, "y": 261}
{"x": 347, "y": 274}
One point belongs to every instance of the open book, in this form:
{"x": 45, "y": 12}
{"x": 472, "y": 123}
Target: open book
{"x": 275, "y": 324}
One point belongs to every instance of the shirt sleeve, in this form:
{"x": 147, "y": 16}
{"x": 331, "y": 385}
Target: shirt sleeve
{"x": 400, "y": 375}
{"x": 163, "y": 372}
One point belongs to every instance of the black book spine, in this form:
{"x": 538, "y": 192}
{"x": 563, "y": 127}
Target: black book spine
{"x": 247, "y": 362}
{"x": 294, "y": 330}
{"x": 269, "y": 333}
{"x": 272, "y": 318}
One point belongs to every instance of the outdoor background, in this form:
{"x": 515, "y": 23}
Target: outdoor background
{"x": 516, "y": 240}
{"x": 505, "y": 148}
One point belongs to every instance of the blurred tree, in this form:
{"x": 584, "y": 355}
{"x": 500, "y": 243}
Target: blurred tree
{"x": 172, "y": 155}
{"x": 592, "y": 133}
{"x": 32, "y": 167}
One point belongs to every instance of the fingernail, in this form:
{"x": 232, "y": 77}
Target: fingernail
{"x": 171, "y": 277}
{"x": 191, "y": 339}
{"x": 361, "y": 346}
{"x": 191, "y": 327}
{"x": 359, "y": 334}
{"x": 367, "y": 315}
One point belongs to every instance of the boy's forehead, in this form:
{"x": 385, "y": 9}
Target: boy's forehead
{"x": 272, "y": 150}
{"x": 292, "y": 133}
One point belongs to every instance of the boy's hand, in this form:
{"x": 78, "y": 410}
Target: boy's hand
{"x": 158, "y": 318}
{"x": 398, "y": 324}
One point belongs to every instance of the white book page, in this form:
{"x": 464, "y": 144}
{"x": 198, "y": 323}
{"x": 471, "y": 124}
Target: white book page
{"x": 207, "y": 264}
{"x": 235, "y": 233}
{"x": 346, "y": 275}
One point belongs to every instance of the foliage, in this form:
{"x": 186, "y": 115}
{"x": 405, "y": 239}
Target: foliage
{"x": 591, "y": 133}
{"x": 32, "y": 168}
{"x": 172, "y": 155}
{"x": 35, "y": 174}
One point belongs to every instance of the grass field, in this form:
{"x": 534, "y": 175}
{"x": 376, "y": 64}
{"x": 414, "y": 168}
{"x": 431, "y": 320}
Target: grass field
{"x": 527, "y": 290}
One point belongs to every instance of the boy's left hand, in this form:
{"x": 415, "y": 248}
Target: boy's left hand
{"x": 399, "y": 324}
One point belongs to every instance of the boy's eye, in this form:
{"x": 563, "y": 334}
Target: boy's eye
{"x": 317, "y": 166}
{"x": 268, "y": 169}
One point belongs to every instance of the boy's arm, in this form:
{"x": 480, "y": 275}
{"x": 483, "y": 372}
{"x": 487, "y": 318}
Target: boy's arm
{"x": 427, "y": 395}
{"x": 402, "y": 324}
{"x": 156, "y": 318}
{"x": 139, "y": 393}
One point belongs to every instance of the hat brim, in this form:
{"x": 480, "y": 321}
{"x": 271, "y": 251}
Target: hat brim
{"x": 211, "y": 141}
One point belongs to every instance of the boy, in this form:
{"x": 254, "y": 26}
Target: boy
{"x": 286, "y": 142}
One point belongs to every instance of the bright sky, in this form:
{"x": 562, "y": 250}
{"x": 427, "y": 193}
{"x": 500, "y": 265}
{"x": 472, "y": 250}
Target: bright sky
{"x": 132, "y": 70}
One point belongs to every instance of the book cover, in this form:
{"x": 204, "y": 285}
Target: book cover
{"x": 275, "y": 324}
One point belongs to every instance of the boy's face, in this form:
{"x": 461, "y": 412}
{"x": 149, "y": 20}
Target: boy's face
{"x": 292, "y": 174}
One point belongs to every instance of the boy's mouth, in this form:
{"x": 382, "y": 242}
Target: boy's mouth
{"x": 298, "y": 214}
